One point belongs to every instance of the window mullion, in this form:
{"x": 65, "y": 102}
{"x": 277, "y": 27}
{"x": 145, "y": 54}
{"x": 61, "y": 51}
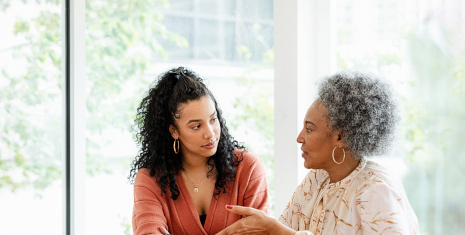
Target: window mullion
{"x": 74, "y": 88}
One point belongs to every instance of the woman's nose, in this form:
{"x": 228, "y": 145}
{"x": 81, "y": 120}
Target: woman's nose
{"x": 210, "y": 132}
{"x": 300, "y": 138}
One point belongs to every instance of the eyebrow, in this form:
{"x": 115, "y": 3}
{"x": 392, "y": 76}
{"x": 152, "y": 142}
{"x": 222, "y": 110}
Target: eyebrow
{"x": 309, "y": 122}
{"x": 199, "y": 120}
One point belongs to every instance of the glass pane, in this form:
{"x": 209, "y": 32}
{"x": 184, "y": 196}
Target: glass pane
{"x": 31, "y": 119}
{"x": 208, "y": 40}
{"x": 208, "y": 7}
{"x": 257, "y": 39}
{"x": 181, "y": 5}
{"x": 229, "y": 41}
{"x": 418, "y": 45}
{"x": 256, "y": 10}
{"x": 129, "y": 43}
{"x": 182, "y": 29}
{"x": 229, "y": 7}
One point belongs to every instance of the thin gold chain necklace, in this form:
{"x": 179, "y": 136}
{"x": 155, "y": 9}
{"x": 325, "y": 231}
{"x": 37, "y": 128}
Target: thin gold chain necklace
{"x": 196, "y": 187}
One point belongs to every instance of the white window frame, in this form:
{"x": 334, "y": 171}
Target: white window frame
{"x": 305, "y": 50}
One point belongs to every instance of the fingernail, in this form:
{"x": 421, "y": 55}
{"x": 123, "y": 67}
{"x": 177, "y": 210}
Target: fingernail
{"x": 229, "y": 207}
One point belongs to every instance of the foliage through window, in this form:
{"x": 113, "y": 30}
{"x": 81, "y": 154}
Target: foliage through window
{"x": 31, "y": 116}
{"x": 419, "y": 47}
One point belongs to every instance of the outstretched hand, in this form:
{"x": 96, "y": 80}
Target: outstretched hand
{"x": 253, "y": 221}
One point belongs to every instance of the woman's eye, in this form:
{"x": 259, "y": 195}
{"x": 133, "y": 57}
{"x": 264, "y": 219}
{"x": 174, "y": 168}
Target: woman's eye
{"x": 196, "y": 127}
{"x": 214, "y": 119}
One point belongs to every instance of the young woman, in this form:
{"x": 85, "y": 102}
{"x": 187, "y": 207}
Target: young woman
{"x": 189, "y": 167}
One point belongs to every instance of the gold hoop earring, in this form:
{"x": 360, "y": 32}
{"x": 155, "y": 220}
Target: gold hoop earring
{"x": 343, "y": 158}
{"x": 176, "y": 150}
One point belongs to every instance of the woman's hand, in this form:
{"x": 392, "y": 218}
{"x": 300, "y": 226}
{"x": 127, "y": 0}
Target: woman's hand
{"x": 254, "y": 222}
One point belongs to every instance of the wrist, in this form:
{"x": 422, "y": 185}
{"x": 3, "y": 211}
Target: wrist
{"x": 278, "y": 228}
{"x": 272, "y": 226}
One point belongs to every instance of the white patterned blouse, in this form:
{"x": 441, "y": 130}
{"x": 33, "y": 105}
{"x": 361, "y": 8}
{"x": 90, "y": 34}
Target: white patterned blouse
{"x": 368, "y": 201}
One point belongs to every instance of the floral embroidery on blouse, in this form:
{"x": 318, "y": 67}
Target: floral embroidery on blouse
{"x": 369, "y": 201}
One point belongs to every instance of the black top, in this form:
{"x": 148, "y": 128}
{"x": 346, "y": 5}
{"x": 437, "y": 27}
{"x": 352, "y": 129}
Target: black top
{"x": 202, "y": 219}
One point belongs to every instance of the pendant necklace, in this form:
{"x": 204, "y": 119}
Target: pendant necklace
{"x": 196, "y": 187}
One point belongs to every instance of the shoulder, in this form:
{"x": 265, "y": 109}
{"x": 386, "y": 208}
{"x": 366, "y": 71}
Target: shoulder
{"x": 143, "y": 174}
{"x": 381, "y": 195}
{"x": 375, "y": 178}
{"x": 250, "y": 163}
{"x": 374, "y": 172}
{"x": 144, "y": 180}
{"x": 246, "y": 157}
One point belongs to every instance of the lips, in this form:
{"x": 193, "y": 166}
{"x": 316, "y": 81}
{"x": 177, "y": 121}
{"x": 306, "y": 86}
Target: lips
{"x": 210, "y": 145}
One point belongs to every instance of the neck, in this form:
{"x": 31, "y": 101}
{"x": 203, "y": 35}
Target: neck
{"x": 339, "y": 172}
{"x": 195, "y": 170}
{"x": 194, "y": 164}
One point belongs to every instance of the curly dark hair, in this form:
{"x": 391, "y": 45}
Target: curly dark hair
{"x": 363, "y": 107}
{"x": 157, "y": 112}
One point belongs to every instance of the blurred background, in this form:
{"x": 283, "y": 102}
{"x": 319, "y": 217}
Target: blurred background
{"x": 419, "y": 45}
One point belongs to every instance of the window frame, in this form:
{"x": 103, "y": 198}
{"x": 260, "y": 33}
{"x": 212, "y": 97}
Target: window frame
{"x": 74, "y": 81}
{"x": 300, "y": 59}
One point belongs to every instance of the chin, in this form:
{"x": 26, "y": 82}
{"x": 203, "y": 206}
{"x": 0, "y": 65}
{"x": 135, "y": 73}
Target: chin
{"x": 307, "y": 166}
{"x": 210, "y": 152}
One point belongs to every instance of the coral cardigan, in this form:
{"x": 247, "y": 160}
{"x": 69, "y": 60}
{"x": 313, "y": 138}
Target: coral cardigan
{"x": 154, "y": 213}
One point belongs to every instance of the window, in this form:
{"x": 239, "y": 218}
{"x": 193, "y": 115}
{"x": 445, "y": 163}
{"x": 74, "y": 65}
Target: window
{"x": 129, "y": 43}
{"x": 418, "y": 46}
{"x": 31, "y": 119}
{"x": 235, "y": 32}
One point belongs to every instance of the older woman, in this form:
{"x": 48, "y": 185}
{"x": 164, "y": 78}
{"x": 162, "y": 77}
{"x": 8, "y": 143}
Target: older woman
{"x": 354, "y": 116}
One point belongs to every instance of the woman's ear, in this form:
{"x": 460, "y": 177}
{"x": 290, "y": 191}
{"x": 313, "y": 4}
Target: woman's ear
{"x": 174, "y": 132}
{"x": 338, "y": 138}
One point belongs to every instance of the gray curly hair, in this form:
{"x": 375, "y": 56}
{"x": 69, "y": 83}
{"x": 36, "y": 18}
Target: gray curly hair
{"x": 363, "y": 108}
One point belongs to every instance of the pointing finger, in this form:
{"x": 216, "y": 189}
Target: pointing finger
{"x": 242, "y": 210}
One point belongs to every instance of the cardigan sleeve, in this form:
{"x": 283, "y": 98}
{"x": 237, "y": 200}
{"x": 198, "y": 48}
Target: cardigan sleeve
{"x": 256, "y": 193}
{"x": 148, "y": 216}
